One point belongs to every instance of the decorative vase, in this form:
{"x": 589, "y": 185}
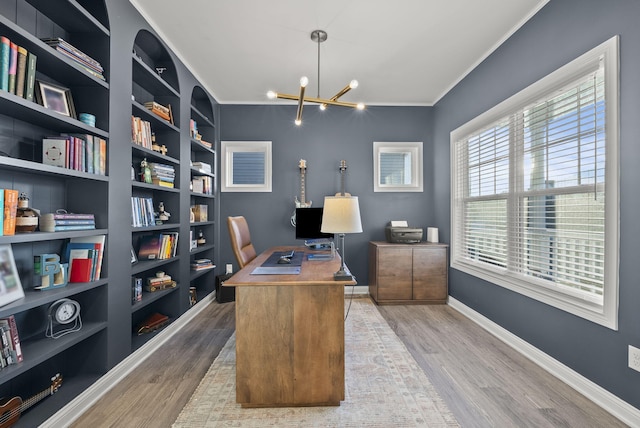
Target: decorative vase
{"x": 26, "y": 218}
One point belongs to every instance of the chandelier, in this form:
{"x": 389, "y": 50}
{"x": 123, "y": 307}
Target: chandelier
{"x": 317, "y": 36}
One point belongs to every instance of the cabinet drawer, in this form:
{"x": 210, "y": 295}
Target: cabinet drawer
{"x": 394, "y": 273}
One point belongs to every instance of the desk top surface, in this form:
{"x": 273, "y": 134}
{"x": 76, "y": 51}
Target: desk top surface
{"x": 311, "y": 272}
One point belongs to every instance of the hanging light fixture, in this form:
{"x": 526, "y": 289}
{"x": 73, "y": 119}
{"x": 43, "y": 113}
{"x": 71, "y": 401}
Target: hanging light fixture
{"x": 317, "y": 36}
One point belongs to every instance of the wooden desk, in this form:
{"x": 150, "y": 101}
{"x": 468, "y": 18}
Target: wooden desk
{"x": 289, "y": 335}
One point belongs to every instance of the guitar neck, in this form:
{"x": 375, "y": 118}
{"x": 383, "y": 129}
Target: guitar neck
{"x": 302, "y": 194}
{"x": 30, "y": 402}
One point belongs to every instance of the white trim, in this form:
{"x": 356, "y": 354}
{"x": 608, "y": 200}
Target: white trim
{"x": 76, "y": 407}
{"x": 603, "y": 398}
{"x": 605, "y": 314}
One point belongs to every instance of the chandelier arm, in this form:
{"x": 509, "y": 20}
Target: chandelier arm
{"x": 300, "y": 105}
{"x": 316, "y": 100}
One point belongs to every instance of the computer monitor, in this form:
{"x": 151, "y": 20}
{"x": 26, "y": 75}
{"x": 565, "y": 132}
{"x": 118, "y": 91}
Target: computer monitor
{"x": 308, "y": 224}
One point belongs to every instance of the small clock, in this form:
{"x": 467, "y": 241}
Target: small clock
{"x": 63, "y": 312}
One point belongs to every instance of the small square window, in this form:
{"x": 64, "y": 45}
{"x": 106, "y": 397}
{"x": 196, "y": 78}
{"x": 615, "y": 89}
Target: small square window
{"x": 246, "y": 166}
{"x": 397, "y": 167}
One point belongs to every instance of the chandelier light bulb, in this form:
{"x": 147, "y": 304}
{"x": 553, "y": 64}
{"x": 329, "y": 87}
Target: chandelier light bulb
{"x": 298, "y": 122}
{"x": 323, "y": 107}
{"x": 272, "y": 95}
{"x": 353, "y": 84}
{"x": 360, "y": 106}
{"x": 304, "y": 81}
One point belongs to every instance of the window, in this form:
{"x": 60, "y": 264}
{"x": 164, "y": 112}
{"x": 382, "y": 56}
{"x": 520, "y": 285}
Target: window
{"x": 246, "y": 166}
{"x": 535, "y": 190}
{"x": 397, "y": 167}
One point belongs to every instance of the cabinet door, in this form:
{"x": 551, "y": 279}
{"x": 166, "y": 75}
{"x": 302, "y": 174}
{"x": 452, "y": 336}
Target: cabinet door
{"x": 430, "y": 274}
{"x": 394, "y": 273}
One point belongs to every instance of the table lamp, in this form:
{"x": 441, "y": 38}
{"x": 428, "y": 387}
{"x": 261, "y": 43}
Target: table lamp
{"x": 341, "y": 214}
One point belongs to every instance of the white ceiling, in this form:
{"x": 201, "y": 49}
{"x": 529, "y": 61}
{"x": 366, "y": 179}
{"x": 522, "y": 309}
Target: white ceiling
{"x": 402, "y": 52}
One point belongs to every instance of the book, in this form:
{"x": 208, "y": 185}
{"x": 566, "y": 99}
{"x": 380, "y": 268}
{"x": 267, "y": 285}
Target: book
{"x": 54, "y": 151}
{"x": 30, "y": 78}
{"x": 149, "y": 247}
{"x": 55, "y": 228}
{"x": 21, "y": 73}
{"x": 13, "y": 66}
{"x": 81, "y": 269}
{"x": 67, "y": 216}
{"x": 2, "y": 212}
{"x": 10, "y": 210}
{"x": 15, "y": 338}
{"x": 7, "y": 354}
{"x": 5, "y": 57}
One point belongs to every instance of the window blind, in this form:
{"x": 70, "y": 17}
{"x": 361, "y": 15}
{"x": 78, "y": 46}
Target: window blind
{"x": 529, "y": 190}
{"x": 248, "y": 167}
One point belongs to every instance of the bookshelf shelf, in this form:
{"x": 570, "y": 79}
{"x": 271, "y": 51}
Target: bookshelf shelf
{"x": 148, "y": 298}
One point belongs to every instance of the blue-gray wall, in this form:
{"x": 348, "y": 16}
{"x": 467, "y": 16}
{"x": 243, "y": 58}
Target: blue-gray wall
{"x": 560, "y": 32}
{"x": 324, "y": 139}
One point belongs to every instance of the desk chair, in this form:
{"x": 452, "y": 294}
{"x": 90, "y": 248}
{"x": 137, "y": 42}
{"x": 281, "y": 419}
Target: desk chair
{"x": 241, "y": 240}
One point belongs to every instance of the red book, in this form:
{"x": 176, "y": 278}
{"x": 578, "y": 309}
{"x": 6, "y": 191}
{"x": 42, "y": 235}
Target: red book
{"x": 81, "y": 270}
{"x": 10, "y": 210}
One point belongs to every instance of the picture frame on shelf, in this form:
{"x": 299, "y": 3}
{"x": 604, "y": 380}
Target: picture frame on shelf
{"x": 10, "y": 285}
{"x": 56, "y": 98}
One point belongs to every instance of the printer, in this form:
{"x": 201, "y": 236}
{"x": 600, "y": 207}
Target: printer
{"x": 399, "y": 232}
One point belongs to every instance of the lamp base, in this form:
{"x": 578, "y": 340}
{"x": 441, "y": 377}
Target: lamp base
{"x": 343, "y": 275}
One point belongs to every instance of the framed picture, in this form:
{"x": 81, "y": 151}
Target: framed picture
{"x": 10, "y": 285}
{"x": 55, "y": 98}
{"x": 134, "y": 258}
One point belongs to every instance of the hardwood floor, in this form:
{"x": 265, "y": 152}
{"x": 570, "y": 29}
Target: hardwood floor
{"x": 484, "y": 382}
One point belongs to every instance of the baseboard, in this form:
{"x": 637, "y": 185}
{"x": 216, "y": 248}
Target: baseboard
{"x": 356, "y": 289}
{"x": 76, "y": 407}
{"x": 608, "y": 401}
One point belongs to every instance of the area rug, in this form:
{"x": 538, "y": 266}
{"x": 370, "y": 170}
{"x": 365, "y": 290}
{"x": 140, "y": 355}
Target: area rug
{"x": 385, "y": 387}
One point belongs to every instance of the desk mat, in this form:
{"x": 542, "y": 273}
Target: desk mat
{"x": 272, "y": 261}
{"x": 277, "y": 270}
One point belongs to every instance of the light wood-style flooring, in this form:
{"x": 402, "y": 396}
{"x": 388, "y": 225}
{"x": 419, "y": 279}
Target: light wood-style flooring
{"x": 484, "y": 382}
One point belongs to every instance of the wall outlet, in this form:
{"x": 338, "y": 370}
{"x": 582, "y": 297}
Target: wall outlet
{"x": 634, "y": 358}
{"x": 228, "y": 268}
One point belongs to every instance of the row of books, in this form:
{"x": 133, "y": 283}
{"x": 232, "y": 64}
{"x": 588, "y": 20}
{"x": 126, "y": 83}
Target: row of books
{"x": 142, "y": 213}
{"x": 193, "y": 132}
{"x": 141, "y": 133}
{"x": 17, "y": 69}
{"x": 11, "y": 350}
{"x": 158, "y": 246}
{"x": 85, "y": 62}
{"x": 162, "y": 175}
{"x": 84, "y": 255}
{"x": 158, "y": 109}
{"x": 202, "y": 184}
{"x": 79, "y": 152}
{"x": 57, "y": 222}
{"x": 9, "y": 207}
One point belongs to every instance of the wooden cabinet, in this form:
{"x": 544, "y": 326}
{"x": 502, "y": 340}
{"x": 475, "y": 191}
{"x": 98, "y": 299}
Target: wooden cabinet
{"x": 408, "y": 273}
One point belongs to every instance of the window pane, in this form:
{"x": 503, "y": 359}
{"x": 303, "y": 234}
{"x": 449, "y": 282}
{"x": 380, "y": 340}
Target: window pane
{"x": 486, "y": 232}
{"x": 248, "y": 168}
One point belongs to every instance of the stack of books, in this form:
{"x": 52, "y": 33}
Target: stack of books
{"x": 160, "y": 110}
{"x": 11, "y": 352}
{"x": 17, "y": 69}
{"x": 55, "y": 222}
{"x": 162, "y": 175}
{"x": 202, "y": 264}
{"x": 160, "y": 282}
{"x": 202, "y": 167}
{"x": 84, "y": 256}
{"x": 85, "y": 62}
{"x": 202, "y": 184}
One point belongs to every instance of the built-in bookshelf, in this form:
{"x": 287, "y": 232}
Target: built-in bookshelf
{"x": 202, "y": 195}
{"x": 24, "y": 123}
{"x": 155, "y": 81}
{"x": 110, "y": 315}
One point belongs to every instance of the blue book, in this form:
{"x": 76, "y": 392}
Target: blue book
{"x": 5, "y": 57}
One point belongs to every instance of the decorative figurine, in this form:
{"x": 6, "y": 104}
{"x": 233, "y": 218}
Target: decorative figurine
{"x": 52, "y": 272}
{"x": 145, "y": 171}
{"x": 201, "y": 239}
{"x": 26, "y": 218}
{"x": 162, "y": 214}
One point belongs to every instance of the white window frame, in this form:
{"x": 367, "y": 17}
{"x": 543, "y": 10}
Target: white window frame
{"x": 605, "y": 313}
{"x": 226, "y": 165}
{"x": 414, "y": 150}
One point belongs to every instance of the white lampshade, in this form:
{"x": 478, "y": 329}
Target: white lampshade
{"x": 341, "y": 214}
